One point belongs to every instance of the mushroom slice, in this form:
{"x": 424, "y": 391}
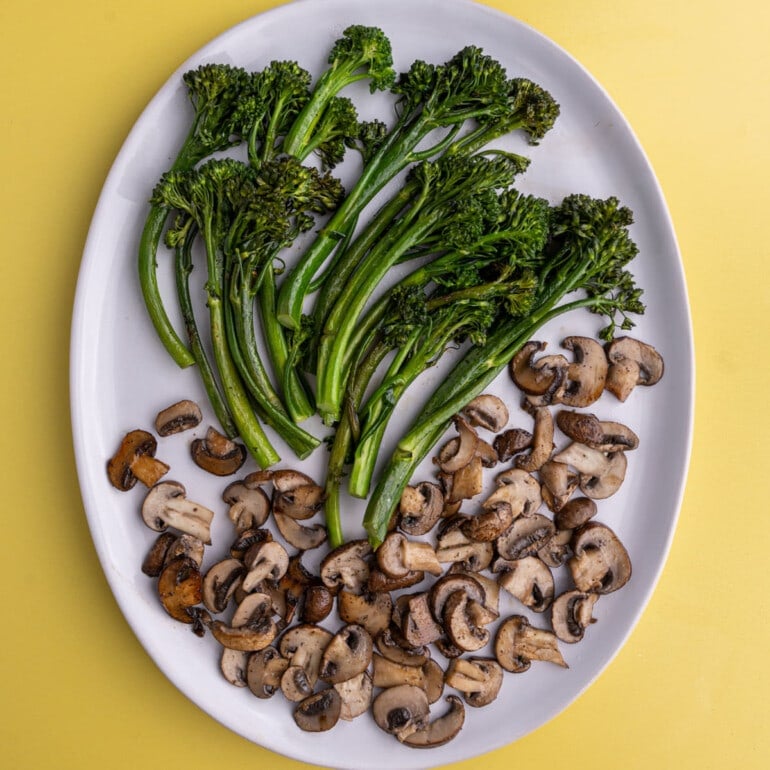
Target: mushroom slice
{"x": 601, "y": 563}
{"x": 396, "y": 649}
{"x": 370, "y": 610}
{"x": 247, "y": 538}
{"x": 378, "y": 582}
{"x": 542, "y": 440}
{"x": 574, "y": 513}
{"x": 455, "y": 547}
{"x": 558, "y": 484}
{"x": 264, "y": 561}
{"x": 300, "y": 502}
{"x": 442, "y": 729}
{"x": 346, "y": 566}
{"x": 233, "y": 664}
{"x": 557, "y": 550}
{"x": 249, "y": 505}
{"x": 631, "y": 363}
{"x": 320, "y": 712}
{"x": 135, "y": 461}
{"x": 348, "y": 654}
{"x": 600, "y": 475}
{"x": 179, "y": 588}
{"x": 217, "y": 454}
{"x": 467, "y": 482}
{"x": 429, "y": 677}
{"x": 318, "y": 603}
{"x": 525, "y": 537}
{"x": 518, "y": 488}
{"x": 264, "y": 671}
{"x": 178, "y": 417}
{"x": 487, "y": 411}
{"x": 587, "y": 374}
{"x": 401, "y": 710}
{"x": 294, "y": 585}
{"x": 518, "y": 643}
{"x": 356, "y": 695}
{"x": 509, "y": 443}
{"x": 462, "y": 629}
{"x": 256, "y": 634}
{"x": 489, "y": 525}
{"x": 444, "y": 587}
{"x": 156, "y": 556}
{"x": 166, "y": 506}
{"x": 303, "y": 646}
{"x": 478, "y": 679}
{"x": 420, "y": 508}
{"x": 531, "y": 582}
{"x": 302, "y": 537}
{"x": 540, "y": 378}
{"x": 588, "y": 429}
{"x": 397, "y": 556}
{"x": 187, "y": 545}
{"x": 415, "y": 621}
{"x": 459, "y": 451}
{"x": 571, "y": 614}
{"x": 220, "y": 583}
{"x": 490, "y": 586}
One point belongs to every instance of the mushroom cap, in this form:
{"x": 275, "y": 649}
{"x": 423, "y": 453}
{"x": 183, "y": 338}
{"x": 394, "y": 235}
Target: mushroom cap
{"x": 254, "y": 635}
{"x": 518, "y": 488}
{"x": 135, "y": 444}
{"x": 347, "y": 655}
{"x": 220, "y": 583}
{"x": 588, "y": 429}
{"x": 264, "y": 671}
{"x": 264, "y": 561}
{"x": 571, "y": 614}
{"x": 525, "y": 537}
{"x": 217, "y": 454}
{"x": 300, "y": 502}
{"x": 319, "y": 712}
{"x": 530, "y": 581}
{"x": 491, "y": 523}
{"x": 396, "y": 649}
{"x": 401, "y": 710}
{"x": 303, "y": 646}
{"x": 442, "y": 729}
{"x": 460, "y": 625}
{"x": 318, "y": 603}
{"x": 346, "y": 566}
{"x": 459, "y": 451}
{"x": 575, "y": 512}
{"x": 178, "y": 417}
{"x": 249, "y": 505}
{"x": 420, "y": 508}
{"x": 587, "y": 374}
{"x": 156, "y": 556}
{"x": 246, "y": 538}
{"x": 510, "y": 442}
{"x": 233, "y": 664}
{"x": 449, "y": 584}
{"x": 600, "y": 563}
{"x": 540, "y": 378}
{"x": 487, "y": 411}
{"x": 558, "y": 483}
{"x": 631, "y": 363}
{"x": 600, "y": 474}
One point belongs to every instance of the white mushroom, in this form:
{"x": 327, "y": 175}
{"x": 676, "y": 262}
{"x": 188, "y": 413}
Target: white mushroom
{"x": 166, "y": 506}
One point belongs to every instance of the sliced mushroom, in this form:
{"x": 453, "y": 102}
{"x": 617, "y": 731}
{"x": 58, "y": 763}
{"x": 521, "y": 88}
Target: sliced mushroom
{"x": 442, "y": 729}
{"x": 295, "y": 584}
{"x": 378, "y": 582}
{"x": 460, "y": 625}
{"x": 557, "y": 550}
{"x": 413, "y": 617}
{"x": 420, "y": 508}
{"x": 303, "y": 646}
{"x": 559, "y": 483}
{"x": 487, "y": 411}
{"x": 249, "y": 505}
{"x": 180, "y": 588}
{"x": 631, "y": 363}
{"x": 588, "y": 429}
{"x": 348, "y": 654}
{"x": 178, "y": 417}
{"x": 467, "y": 482}
{"x": 478, "y": 679}
{"x": 571, "y": 614}
{"x": 491, "y": 523}
{"x": 574, "y": 513}
{"x": 531, "y": 582}
{"x": 318, "y": 603}
{"x": 220, "y": 584}
{"x": 217, "y": 454}
{"x": 320, "y": 712}
{"x": 135, "y": 461}
{"x": 519, "y": 489}
{"x": 401, "y": 710}
{"x": 444, "y": 587}
{"x": 525, "y": 537}
{"x": 166, "y": 506}
{"x": 264, "y": 671}
{"x": 396, "y": 649}
{"x": 459, "y": 451}
{"x": 252, "y": 627}
{"x": 346, "y": 566}
{"x": 511, "y": 442}
{"x": 247, "y": 538}
{"x": 587, "y": 374}
{"x": 398, "y": 555}
{"x": 600, "y": 474}
{"x": 429, "y": 677}
{"x": 156, "y": 556}
{"x": 233, "y": 664}
{"x": 303, "y": 538}
{"x": 490, "y": 586}
{"x": 370, "y": 610}
{"x": 601, "y": 563}
{"x": 455, "y": 547}
{"x": 537, "y": 379}
{"x": 356, "y": 695}
{"x": 300, "y": 502}
{"x": 187, "y": 545}
{"x": 264, "y": 561}
{"x": 518, "y": 643}
{"x": 542, "y": 440}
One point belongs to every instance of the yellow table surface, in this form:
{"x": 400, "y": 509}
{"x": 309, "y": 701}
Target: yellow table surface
{"x": 689, "y": 689}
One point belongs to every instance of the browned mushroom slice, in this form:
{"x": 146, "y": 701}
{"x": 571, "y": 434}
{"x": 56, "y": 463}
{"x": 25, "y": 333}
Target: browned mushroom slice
{"x": 178, "y": 417}
{"x": 394, "y": 647}
{"x": 542, "y": 440}
{"x": 420, "y": 508}
{"x": 264, "y": 561}
{"x": 303, "y": 646}
{"x": 246, "y": 539}
{"x": 487, "y": 411}
{"x": 600, "y": 474}
{"x": 588, "y": 429}
{"x": 303, "y": 538}
{"x": 166, "y": 506}
{"x": 249, "y": 505}
{"x": 294, "y": 585}
{"x": 574, "y": 513}
{"x": 320, "y": 712}
{"x": 135, "y": 461}
{"x": 559, "y": 484}
{"x": 525, "y": 537}
{"x": 444, "y": 587}
{"x": 180, "y": 588}
{"x": 346, "y": 566}
{"x": 458, "y": 451}
{"x": 631, "y": 363}
{"x": 398, "y": 555}
{"x": 187, "y": 545}
{"x": 264, "y": 671}
{"x": 217, "y": 454}
{"x": 252, "y": 627}
{"x": 601, "y": 563}
{"x": 370, "y": 610}
{"x": 441, "y": 730}
{"x": 460, "y": 625}
{"x": 490, "y": 524}
{"x": 587, "y": 374}
{"x": 378, "y": 582}
{"x": 478, "y": 679}
{"x": 519, "y": 489}
{"x": 220, "y": 583}
{"x": 317, "y": 604}
{"x": 530, "y": 581}
{"x": 401, "y": 710}
{"x": 301, "y": 502}
{"x": 571, "y": 614}
{"x": 348, "y": 654}
{"x": 233, "y": 665}
{"x": 509, "y": 443}
{"x": 156, "y": 556}
{"x": 467, "y": 482}
{"x": 413, "y": 617}
{"x": 557, "y": 550}
{"x": 518, "y": 643}
{"x": 536, "y": 379}
{"x": 355, "y": 695}
{"x": 490, "y": 586}
{"x": 455, "y": 547}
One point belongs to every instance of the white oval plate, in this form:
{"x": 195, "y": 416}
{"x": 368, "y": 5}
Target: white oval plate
{"x": 121, "y": 377}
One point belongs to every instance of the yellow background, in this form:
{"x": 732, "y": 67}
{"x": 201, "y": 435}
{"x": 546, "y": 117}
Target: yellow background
{"x": 690, "y": 688}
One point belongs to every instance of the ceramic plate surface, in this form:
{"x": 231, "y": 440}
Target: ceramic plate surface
{"x": 121, "y": 377}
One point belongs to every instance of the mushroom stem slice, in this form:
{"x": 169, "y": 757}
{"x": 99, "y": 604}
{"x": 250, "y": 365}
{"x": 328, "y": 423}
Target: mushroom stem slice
{"x": 440, "y": 730}
{"x": 542, "y": 441}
